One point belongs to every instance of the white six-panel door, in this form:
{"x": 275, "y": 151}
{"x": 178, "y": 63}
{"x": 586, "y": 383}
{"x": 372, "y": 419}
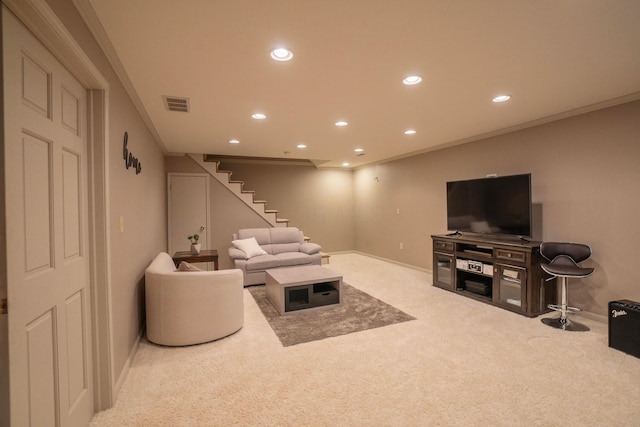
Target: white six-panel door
{"x": 47, "y": 236}
{"x": 188, "y": 209}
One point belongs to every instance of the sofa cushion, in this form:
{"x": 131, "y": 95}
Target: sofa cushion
{"x": 236, "y": 254}
{"x": 185, "y": 266}
{"x": 262, "y": 262}
{"x": 249, "y": 246}
{"x": 262, "y": 235}
{"x": 279, "y": 248}
{"x": 286, "y": 235}
{"x": 310, "y": 248}
{"x": 289, "y": 259}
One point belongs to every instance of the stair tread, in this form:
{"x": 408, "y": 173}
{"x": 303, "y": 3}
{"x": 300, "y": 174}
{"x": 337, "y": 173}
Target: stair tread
{"x": 250, "y": 192}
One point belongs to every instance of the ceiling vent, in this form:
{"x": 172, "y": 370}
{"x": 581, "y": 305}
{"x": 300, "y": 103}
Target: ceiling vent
{"x": 174, "y": 103}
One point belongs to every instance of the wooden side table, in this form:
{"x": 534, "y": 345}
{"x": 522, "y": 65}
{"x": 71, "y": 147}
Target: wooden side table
{"x": 205, "y": 255}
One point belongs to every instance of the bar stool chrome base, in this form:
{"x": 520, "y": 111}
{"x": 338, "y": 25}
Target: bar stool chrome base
{"x": 564, "y": 309}
{"x": 565, "y": 324}
{"x": 563, "y": 321}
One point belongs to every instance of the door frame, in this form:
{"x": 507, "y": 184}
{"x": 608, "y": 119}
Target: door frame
{"x": 40, "y": 19}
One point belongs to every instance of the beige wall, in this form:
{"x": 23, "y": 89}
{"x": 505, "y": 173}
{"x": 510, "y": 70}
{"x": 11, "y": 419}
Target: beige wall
{"x": 584, "y": 183}
{"x": 139, "y": 199}
{"x": 585, "y": 179}
{"x": 4, "y": 325}
{"x": 228, "y": 213}
{"x": 319, "y": 202}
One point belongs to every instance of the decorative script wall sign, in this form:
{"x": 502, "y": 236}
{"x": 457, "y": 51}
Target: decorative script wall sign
{"x": 129, "y": 159}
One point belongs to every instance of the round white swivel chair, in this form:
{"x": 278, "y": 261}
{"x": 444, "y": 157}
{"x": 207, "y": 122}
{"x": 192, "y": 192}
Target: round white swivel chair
{"x": 563, "y": 263}
{"x": 191, "y": 307}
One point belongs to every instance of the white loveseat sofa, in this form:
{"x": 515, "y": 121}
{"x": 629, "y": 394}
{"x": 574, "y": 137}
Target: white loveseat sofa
{"x": 191, "y": 307}
{"x": 278, "y": 247}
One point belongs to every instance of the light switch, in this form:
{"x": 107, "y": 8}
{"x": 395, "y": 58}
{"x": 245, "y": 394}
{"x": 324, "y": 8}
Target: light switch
{"x": 121, "y": 224}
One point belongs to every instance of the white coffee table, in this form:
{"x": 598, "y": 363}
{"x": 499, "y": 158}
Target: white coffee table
{"x": 303, "y": 288}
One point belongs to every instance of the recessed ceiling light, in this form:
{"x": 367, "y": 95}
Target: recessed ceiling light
{"x": 502, "y": 98}
{"x": 341, "y": 123}
{"x": 258, "y": 116}
{"x": 281, "y": 54}
{"x": 345, "y": 164}
{"x": 301, "y": 146}
{"x": 409, "y": 132}
{"x": 359, "y": 150}
{"x": 412, "y": 80}
{"x": 234, "y": 141}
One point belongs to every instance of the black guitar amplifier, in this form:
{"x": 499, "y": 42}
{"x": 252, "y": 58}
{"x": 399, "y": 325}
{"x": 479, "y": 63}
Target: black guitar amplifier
{"x": 624, "y": 326}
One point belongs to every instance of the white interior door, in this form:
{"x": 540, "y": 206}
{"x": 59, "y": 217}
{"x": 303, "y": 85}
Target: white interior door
{"x": 47, "y": 236}
{"x": 188, "y": 211}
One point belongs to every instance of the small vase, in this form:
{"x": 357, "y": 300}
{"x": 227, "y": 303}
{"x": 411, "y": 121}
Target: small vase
{"x": 195, "y": 249}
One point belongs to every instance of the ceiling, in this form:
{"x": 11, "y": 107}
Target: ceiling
{"x": 555, "y": 58}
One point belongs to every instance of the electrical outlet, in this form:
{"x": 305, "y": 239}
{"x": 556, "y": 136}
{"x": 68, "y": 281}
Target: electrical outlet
{"x": 401, "y": 245}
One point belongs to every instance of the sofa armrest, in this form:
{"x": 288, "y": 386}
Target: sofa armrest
{"x": 235, "y": 253}
{"x": 310, "y": 248}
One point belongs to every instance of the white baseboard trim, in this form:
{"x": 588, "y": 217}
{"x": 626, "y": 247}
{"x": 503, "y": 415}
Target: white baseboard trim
{"x": 424, "y": 270}
{"x": 118, "y": 383}
{"x": 592, "y": 316}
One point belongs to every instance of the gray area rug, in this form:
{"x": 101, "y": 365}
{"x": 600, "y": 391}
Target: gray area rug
{"x": 359, "y": 311}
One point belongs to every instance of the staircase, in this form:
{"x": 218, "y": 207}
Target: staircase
{"x": 236, "y": 187}
{"x": 247, "y": 196}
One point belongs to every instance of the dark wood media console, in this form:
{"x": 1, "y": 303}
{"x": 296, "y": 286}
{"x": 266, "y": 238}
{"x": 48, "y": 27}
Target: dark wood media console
{"x": 502, "y": 272}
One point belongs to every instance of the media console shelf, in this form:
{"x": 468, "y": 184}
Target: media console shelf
{"x": 502, "y": 272}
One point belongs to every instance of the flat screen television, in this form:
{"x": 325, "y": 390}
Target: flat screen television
{"x": 500, "y": 205}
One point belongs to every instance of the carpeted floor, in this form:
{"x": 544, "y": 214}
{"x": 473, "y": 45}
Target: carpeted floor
{"x": 459, "y": 363}
{"x": 359, "y": 311}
